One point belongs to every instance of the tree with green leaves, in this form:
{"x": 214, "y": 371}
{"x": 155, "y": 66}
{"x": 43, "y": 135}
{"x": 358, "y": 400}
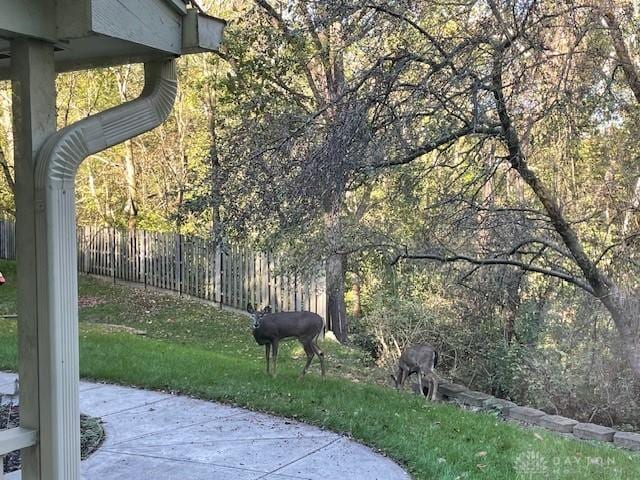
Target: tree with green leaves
{"x": 306, "y": 80}
{"x": 499, "y": 76}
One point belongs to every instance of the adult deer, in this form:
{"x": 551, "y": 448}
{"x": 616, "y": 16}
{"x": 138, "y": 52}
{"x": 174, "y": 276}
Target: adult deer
{"x": 420, "y": 359}
{"x": 269, "y": 328}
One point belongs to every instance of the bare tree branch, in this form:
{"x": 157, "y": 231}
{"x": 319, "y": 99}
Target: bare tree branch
{"x": 432, "y": 145}
{"x": 622, "y": 52}
{"x": 284, "y": 28}
{"x": 497, "y": 261}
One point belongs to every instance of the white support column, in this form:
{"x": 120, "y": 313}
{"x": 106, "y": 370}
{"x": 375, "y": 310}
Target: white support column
{"x": 34, "y": 119}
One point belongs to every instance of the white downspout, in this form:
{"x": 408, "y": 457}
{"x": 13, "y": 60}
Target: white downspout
{"x": 57, "y": 280}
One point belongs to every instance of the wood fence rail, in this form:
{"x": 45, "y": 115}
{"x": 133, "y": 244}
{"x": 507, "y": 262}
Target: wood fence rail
{"x": 231, "y": 276}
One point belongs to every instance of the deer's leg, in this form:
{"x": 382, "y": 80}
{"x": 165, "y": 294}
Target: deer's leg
{"x": 420, "y": 383}
{"x": 275, "y": 356}
{"x": 400, "y": 377}
{"x": 308, "y": 349}
{"x": 435, "y": 379}
{"x": 429, "y": 381}
{"x": 267, "y": 350}
{"x": 434, "y": 392}
{"x": 396, "y": 378}
{"x": 320, "y": 355}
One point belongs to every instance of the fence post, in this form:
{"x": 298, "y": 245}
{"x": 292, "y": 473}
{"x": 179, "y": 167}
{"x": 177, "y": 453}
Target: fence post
{"x": 239, "y": 277}
{"x": 277, "y": 283}
{"x": 225, "y": 277}
{"x": 85, "y": 260}
{"x": 179, "y": 262}
{"x": 249, "y": 277}
{"x": 112, "y": 234}
{"x": 195, "y": 267}
{"x": 248, "y": 256}
{"x": 299, "y": 296}
{"x": 143, "y": 263}
{"x": 3, "y": 237}
{"x": 264, "y": 279}
{"x": 306, "y": 296}
{"x": 233, "y": 270}
{"x": 217, "y": 274}
{"x": 89, "y": 248}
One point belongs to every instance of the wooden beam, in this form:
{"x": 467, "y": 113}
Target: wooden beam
{"x": 34, "y": 119}
{"x": 150, "y": 23}
{"x": 33, "y": 18}
{"x": 16, "y": 439}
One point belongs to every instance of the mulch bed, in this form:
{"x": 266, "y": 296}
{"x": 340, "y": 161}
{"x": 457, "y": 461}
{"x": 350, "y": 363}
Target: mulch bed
{"x": 91, "y": 434}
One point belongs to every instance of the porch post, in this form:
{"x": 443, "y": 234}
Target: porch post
{"x": 34, "y": 120}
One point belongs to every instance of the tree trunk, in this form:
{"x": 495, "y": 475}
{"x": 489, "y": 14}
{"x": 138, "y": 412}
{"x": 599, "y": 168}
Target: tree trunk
{"x": 633, "y": 352}
{"x": 356, "y": 311}
{"x": 619, "y": 304}
{"x": 335, "y": 275}
{"x": 131, "y": 204}
{"x": 131, "y": 207}
{"x": 6, "y": 143}
{"x": 336, "y": 308}
{"x": 214, "y": 172}
{"x": 624, "y": 310}
{"x": 634, "y": 204}
{"x": 7, "y": 172}
{"x": 622, "y": 53}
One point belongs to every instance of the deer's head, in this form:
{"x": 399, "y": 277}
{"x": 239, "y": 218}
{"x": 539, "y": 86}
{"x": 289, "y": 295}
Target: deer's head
{"x": 256, "y": 315}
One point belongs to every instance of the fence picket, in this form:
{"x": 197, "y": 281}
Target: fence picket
{"x": 229, "y": 275}
{"x": 225, "y": 279}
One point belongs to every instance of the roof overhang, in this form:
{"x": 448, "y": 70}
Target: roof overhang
{"x": 95, "y": 33}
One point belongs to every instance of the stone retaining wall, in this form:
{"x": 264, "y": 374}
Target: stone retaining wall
{"x": 459, "y": 394}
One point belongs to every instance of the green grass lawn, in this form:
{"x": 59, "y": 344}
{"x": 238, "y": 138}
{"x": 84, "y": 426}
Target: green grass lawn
{"x": 196, "y": 349}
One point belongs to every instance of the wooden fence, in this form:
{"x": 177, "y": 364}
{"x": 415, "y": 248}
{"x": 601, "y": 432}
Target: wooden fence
{"x": 231, "y": 276}
{"x": 7, "y": 240}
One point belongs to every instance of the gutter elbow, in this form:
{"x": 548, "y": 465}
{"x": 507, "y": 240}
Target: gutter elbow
{"x": 64, "y": 151}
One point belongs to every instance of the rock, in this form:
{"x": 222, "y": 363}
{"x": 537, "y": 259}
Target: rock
{"x": 439, "y": 395}
{"x": 557, "y": 423}
{"x": 591, "y": 431}
{"x": 500, "y": 404}
{"x": 524, "y": 414}
{"x": 474, "y": 399}
{"x": 627, "y": 440}
{"x": 450, "y": 389}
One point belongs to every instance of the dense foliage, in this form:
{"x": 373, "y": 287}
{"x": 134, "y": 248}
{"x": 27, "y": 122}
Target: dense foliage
{"x": 468, "y": 172}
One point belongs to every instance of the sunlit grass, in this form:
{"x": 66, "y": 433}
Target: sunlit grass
{"x": 199, "y": 350}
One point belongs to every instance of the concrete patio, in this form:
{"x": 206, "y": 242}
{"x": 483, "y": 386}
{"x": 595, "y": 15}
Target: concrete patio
{"x": 156, "y": 436}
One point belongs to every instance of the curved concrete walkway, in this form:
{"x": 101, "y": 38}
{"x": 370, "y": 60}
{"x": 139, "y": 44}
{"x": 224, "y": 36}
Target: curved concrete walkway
{"x": 156, "y": 436}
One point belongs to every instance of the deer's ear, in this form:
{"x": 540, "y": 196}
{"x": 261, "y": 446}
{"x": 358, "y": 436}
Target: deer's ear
{"x": 267, "y": 309}
{"x": 250, "y": 308}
